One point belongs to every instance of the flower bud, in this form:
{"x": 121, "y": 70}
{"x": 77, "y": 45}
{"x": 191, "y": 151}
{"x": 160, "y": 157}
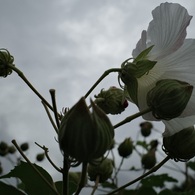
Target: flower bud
{"x": 146, "y": 128}
{"x": 104, "y": 170}
{"x": 111, "y": 101}
{"x": 169, "y": 98}
{"x": 3, "y": 148}
{"x": 149, "y": 160}
{"x": 40, "y": 157}
{"x": 180, "y": 146}
{"x": 24, "y": 146}
{"x": 85, "y": 136}
{"x": 5, "y": 59}
{"x": 125, "y": 148}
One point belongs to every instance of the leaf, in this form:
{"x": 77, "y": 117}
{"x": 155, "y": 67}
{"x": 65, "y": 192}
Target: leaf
{"x": 157, "y": 180}
{"x": 191, "y": 165}
{"x": 109, "y": 185}
{"x": 71, "y": 187}
{"x": 34, "y": 184}
{"x": 8, "y": 189}
{"x": 143, "y": 54}
{"x": 140, "y": 191}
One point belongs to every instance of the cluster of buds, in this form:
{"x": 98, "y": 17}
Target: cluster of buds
{"x": 180, "y": 146}
{"x": 111, "y": 101}
{"x": 169, "y": 98}
{"x": 5, "y": 59}
{"x": 85, "y": 136}
{"x": 103, "y": 170}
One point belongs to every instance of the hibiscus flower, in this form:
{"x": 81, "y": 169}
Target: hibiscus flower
{"x": 174, "y": 58}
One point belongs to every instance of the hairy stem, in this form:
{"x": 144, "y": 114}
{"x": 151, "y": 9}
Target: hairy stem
{"x": 107, "y": 72}
{"x": 154, "y": 169}
{"x": 132, "y": 117}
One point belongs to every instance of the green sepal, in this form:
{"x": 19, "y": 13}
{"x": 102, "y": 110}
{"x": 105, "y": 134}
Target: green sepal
{"x": 143, "y": 54}
{"x": 143, "y": 67}
{"x": 132, "y": 90}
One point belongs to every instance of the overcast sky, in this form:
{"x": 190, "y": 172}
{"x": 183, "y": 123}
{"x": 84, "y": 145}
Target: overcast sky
{"x": 66, "y": 45}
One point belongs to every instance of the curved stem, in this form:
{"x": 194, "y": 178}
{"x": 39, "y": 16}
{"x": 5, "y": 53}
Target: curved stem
{"x": 154, "y": 169}
{"x": 107, "y": 72}
{"x": 83, "y": 177}
{"x": 22, "y": 76}
{"x": 34, "y": 168}
{"x": 130, "y": 118}
{"x": 96, "y": 185}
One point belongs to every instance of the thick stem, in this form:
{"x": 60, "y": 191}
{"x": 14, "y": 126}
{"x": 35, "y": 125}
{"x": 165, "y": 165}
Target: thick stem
{"x": 34, "y": 168}
{"x": 22, "y": 76}
{"x": 65, "y": 176}
{"x": 132, "y": 117}
{"x": 107, "y": 72}
{"x": 83, "y": 178}
{"x": 154, "y": 169}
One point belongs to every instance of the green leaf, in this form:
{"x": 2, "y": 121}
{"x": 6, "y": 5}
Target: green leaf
{"x": 34, "y": 184}
{"x": 71, "y": 187}
{"x": 8, "y": 189}
{"x": 191, "y": 165}
{"x": 157, "y": 180}
{"x": 140, "y": 191}
{"x": 143, "y": 54}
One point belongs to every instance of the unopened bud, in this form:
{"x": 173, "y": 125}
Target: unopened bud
{"x": 169, "y": 98}
{"x": 125, "y": 148}
{"x": 5, "y": 59}
{"x": 40, "y": 157}
{"x": 85, "y": 136}
{"x": 3, "y": 148}
{"x": 104, "y": 170}
{"x": 146, "y": 128}
{"x": 149, "y": 160}
{"x": 111, "y": 101}
{"x": 180, "y": 146}
{"x": 24, "y": 146}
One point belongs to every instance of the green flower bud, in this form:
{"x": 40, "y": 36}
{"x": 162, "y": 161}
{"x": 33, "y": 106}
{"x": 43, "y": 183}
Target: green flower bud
{"x": 146, "y": 128}
{"x": 11, "y": 149}
{"x": 125, "y": 148}
{"x": 111, "y": 101}
{"x": 5, "y": 59}
{"x": 24, "y": 146}
{"x": 169, "y": 98}
{"x": 149, "y": 159}
{"x": 40, "y": 157}
{"x": 104, "y": 170}
{"x": 85, "y": 136}
{"x": 3, "y": 148}
{"x": 180, "y": 146}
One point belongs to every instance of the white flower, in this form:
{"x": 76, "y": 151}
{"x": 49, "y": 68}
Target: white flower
{"x": 175, "y": 56}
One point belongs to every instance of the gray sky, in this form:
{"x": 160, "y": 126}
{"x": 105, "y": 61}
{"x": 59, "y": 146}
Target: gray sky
{"x": 66, "y": 45}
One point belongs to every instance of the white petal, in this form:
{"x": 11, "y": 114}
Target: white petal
{"x": 175, "y": 125}
{"x": 141, "y": 45}
{"x": 167, "y": 30}
{"x": 181, "y": 65}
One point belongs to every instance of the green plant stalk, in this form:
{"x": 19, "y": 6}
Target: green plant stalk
{"x": 65, "y": 170}
{"x": 22, "y": 76}
{"x": 154, "y": 169}
{"x": 132, "y": 117}
{"x": 83, "y": 177}
{"x": 35, "y": 169}
{"x": 107, "y": 72}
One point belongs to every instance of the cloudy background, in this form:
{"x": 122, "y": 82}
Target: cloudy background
{"x": 66, "y": 45}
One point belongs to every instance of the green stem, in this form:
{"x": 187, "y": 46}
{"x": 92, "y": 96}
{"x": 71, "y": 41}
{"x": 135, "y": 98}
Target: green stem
{"x": 107, "y": 72}
{"x": 132, "y": 117}
{"x": 35, "y": 169}
{"x": 83, "y": 178}
{"x": 66, "y": 168}
{"x": 22, "y": 76}
{"x": 154, "y": 169}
